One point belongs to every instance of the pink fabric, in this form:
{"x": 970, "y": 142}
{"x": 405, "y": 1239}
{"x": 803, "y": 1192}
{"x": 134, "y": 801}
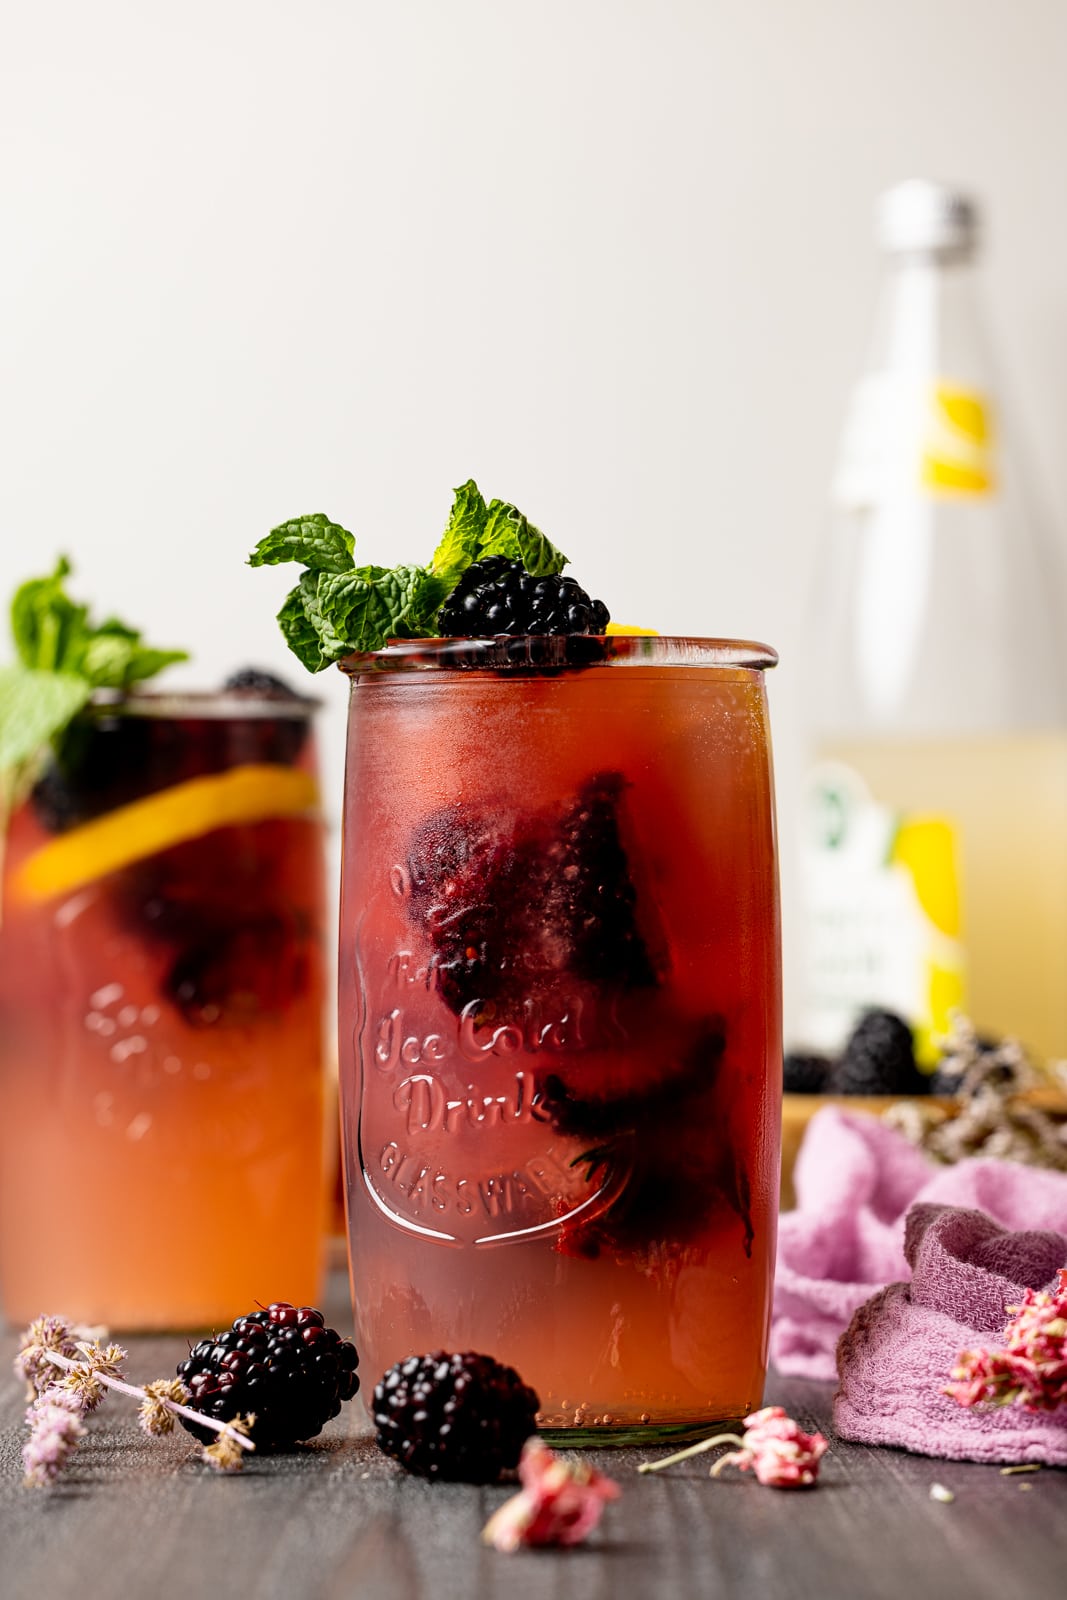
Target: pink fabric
{"x": 900, "y": 1347}
{"x": 855, "y": 1180}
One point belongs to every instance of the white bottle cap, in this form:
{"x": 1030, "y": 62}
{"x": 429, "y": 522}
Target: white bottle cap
{"x": 922, "y": 215}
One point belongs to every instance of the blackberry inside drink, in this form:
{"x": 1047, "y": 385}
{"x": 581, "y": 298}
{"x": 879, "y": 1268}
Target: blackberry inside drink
{"x": 560, "y": 1039}
{"x": 161, "y": 996}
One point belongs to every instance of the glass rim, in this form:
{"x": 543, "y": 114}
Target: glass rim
{"x": 213, "y": 704}
{"x": 526, "y": 652}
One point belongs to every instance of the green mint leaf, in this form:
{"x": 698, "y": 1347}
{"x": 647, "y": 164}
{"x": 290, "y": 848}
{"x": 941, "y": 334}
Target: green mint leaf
{"x": 117, "y": 659}
{"x": 314, "y": 541}
{"x": 62, "y": 657}
{"x": 145, "y": 663}
{"x": 337, "y": 607}
{"x": 49, "y": 629}
{"x": 372, "y": 605}
{"x": 34, "y": 707}
{"x": 430, "y": 590}
{"x": 459, "y": 543}
{"x": 300, "y": 633}
{"x": 331, "y": 645}
{"x": 508, "y": 533}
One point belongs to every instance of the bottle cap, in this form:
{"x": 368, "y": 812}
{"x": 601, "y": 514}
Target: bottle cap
{"x": 922, "y": 215}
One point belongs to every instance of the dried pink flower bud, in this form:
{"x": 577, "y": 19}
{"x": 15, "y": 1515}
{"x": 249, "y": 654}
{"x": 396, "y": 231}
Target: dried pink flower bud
{"x": 1030, "y": 1369}
{"x": 777, "y": 1450}
{"x": 559, "y": 1503}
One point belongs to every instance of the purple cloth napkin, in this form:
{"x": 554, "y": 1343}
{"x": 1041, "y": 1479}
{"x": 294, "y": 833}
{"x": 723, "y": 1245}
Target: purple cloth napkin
{"x": 855, "y": 1180}
{"x": 899, "y": 1349}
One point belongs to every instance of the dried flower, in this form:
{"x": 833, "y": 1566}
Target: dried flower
{"x": 46, "y": 1334}
{"x": 51, "y": 1347}
{"x": 156, "y": 1416}
{"x": 226, "y": 1454}
{"x": 774, "y": 1447}
{"x": 1030, "y": 1369}
{"x": 88, "y": 1376}
{"x": 559, "y": 1502}
{"x": 992, "y": 1114}
{"x": 55, "y": 1424}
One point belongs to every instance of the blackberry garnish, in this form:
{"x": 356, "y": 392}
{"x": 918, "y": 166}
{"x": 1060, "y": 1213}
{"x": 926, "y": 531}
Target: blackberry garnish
{"x": 499, "y": 596}
{"x": 253, "y": 680}
{"x": 54, "y": 802}
{"x": 588, "y": 898}
{"x": 805, "y": 1074}
{"x": 282, "y": 1364}
{"x": 879, "y": 1059}
{"x": 462, "y": 1418}
{"x": 663, "y": 1134}
{"x": 513, "y": 908}
{"x": 230, "y": 974}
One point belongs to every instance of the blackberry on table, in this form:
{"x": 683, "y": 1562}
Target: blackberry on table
{"x": 879, "y": 1059}
{"x": 461, "y": 1418}
{"x": 804, "y": 1073}
{"x": 498, "y": 595}
{"x": 282, "y": 1364}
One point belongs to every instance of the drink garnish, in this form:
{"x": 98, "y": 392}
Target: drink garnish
{"x": 63, "y": 656}
{"x": 337, "y": 608}
{"x": 144, "y": 827}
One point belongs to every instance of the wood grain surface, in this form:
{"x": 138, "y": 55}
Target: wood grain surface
{"x": 141, "y": 1519}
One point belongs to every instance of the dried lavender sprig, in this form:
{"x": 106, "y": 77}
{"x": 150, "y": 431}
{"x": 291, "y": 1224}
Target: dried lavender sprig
{"x": 56, "y": 1428}
{"x": 226, "y": 1428}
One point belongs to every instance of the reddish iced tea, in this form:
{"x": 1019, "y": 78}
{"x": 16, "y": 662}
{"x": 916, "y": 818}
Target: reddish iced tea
{"x": 161, "y": 1017}
{"x": 560, "y": 1035}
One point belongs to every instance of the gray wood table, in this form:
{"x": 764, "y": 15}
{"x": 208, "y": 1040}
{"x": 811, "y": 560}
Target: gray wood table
{"x": 137, "y": 1517}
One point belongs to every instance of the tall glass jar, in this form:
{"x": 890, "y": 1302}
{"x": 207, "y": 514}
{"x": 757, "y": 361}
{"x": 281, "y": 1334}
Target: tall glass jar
{"x": 161, "y": 1017}
{"x": 560, "y": 1019}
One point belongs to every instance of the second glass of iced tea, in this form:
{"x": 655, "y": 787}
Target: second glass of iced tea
{"x": 560, "y": 1020}
{"x": 161, "y": 1017}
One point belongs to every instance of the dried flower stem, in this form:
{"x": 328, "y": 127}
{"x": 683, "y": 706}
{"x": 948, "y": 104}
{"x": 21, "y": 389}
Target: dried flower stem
{"x": 135, "y": 1393}
{"x": 691, "y": 1450}
{"x": 774, "y": 1447}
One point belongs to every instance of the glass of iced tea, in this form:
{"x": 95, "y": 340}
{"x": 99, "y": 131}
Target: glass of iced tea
{"x": 560, "y": 1019}
{"x": 161, "y": 1016}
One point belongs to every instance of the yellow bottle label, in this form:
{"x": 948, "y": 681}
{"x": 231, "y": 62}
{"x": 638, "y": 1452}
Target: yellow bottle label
{"x": 957, "y": 450}
{"x": 883, "y": 919}
{"x": 925, "y": 848}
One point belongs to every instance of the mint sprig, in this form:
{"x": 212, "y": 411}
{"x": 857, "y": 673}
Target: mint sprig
{"x": 337, "y": 608}
{"x": 62, "y": 656}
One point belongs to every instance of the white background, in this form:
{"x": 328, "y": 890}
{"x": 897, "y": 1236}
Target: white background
{"x": 610, "y": 257}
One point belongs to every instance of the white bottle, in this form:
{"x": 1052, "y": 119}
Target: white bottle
{"x": 935, "y": 833}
